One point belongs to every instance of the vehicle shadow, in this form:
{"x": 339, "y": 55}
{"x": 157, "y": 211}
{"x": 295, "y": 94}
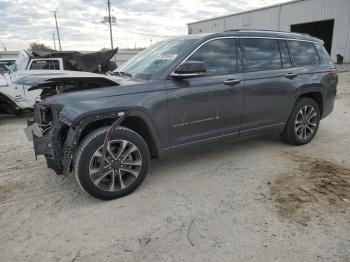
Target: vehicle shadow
{"x": 191, "y": 158}
{"x": 214, "y": 151}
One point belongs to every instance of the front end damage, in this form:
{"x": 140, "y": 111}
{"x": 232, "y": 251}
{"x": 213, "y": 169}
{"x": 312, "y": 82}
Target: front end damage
{"x": 56, "y": 137}
{"x": 52, "y": 136}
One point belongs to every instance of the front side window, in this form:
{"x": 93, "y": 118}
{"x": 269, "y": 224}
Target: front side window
{"x": 261, "y": 54}
{"x": 45, "y": 65}
{"x": 219, "y": 56}
{"x": 303, "y": 53}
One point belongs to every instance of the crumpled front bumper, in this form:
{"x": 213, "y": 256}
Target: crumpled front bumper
{"x": 59, "y": 142}
{"x": 48, "y": 143}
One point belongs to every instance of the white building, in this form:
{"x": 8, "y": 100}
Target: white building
{"x": 326, "y": 19}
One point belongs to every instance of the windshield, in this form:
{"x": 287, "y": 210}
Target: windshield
{"x": 155, "y": 59}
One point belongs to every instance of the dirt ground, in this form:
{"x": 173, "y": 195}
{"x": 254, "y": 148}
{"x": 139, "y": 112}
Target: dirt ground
{"x": 254, "y": 200}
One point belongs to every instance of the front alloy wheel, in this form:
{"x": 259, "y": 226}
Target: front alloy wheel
{"x": 122, "y": 170}
{"x": 121, "y": 166}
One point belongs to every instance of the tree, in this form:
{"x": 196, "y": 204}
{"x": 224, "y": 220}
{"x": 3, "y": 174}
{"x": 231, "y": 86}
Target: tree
{"x": 38, "y": 46}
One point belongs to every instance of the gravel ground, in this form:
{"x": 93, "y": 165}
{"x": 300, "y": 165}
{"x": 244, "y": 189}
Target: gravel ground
{"x": 254, "y": 200}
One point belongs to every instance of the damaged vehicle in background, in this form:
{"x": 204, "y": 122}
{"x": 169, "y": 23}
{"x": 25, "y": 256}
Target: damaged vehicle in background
{"x": 179, "y": 93}
{"x": 17, "y": 98}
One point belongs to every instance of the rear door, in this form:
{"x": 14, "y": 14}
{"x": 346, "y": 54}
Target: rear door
{"x": 270, "y": 86}
{"x": 210, "y": 106}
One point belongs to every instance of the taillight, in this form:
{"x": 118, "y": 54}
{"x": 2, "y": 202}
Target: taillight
{"x": 333, "y": 71}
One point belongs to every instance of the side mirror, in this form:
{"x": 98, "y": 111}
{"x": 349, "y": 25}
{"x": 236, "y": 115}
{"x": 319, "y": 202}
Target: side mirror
{"x": 189, "y": 69}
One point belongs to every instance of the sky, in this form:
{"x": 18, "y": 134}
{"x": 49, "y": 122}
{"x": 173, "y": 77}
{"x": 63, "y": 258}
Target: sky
{"x": 139, "y": 22}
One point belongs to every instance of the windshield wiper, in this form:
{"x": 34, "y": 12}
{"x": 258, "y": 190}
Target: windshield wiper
{"x": 120, "y": 73}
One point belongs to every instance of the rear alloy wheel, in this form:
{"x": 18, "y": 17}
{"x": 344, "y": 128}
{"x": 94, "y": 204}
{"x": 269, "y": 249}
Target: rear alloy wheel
{"x": 123, "y": 169}
{"x": 306, "y": 122}
{"x": 303, "y": 122}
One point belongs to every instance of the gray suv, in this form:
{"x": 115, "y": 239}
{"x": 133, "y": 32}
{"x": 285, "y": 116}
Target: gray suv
{"x": 179, "y": 93}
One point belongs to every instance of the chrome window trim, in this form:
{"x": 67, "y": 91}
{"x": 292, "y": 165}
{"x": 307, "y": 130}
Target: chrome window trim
{"x": 240, "y": 37}
{"x": 188, "y": 75}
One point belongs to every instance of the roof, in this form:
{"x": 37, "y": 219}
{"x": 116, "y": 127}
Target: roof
{"x": 258, "y": 33}
{"x": 246, "y": 12}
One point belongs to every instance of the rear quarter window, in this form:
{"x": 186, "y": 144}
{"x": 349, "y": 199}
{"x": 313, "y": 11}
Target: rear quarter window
{"x": 322, "y": 53}
{"x": 303, "y": 53}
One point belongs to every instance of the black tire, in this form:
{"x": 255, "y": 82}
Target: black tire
{"x": 6, "y": 105}
{"x": 289, "y": 135}
{"x": 88, "y": 148}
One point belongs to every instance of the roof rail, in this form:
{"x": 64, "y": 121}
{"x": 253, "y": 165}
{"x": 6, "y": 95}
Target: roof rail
{"x": 266, "y": 31}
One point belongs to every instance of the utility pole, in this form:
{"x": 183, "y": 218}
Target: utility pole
{"x": 54, "y": 40}
{"x": 58, "y": 33}
{"x": 110, "y": 22}
{"x": 3, "y": 44}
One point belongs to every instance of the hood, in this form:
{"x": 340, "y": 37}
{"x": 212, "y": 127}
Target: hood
{"x": 80, "y": 92}
{"x": 127, "y": 93}
{"x": 53, "y": 82}
{"x": 41, "y": 79}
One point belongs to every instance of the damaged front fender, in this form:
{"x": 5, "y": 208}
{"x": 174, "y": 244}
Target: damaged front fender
{"x": 75, "y": 132}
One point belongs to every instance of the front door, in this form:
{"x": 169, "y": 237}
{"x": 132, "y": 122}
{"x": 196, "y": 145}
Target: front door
{"x": 210, "y": 106}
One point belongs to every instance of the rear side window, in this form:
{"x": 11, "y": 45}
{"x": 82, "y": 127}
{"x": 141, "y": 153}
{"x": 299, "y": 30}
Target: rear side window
{"x": 261, "y": 54}
{"x": 219, "y": 56}
{"x": 303, "y": 53}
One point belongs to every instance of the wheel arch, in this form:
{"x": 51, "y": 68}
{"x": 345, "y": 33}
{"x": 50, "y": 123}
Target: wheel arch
{"x": 135, "y": 120}
{"x": 317, "y": 97}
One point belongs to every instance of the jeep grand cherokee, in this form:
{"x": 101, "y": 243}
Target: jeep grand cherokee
{"x": 178, "y": 93}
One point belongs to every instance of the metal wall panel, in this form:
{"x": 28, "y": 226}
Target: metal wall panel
{"x": 281, "y": 17}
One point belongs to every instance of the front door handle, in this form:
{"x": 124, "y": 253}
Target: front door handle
{"x": 232, "y": 82}
{"x": 290, "y": 75}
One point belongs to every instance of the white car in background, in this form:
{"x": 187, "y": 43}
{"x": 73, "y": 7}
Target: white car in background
{"x": 16, "y": 98}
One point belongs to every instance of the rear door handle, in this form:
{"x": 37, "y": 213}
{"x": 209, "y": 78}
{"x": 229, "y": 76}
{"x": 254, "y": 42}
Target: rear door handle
{"x": 232, "y": 82}
{"x": 290, "y": 75}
